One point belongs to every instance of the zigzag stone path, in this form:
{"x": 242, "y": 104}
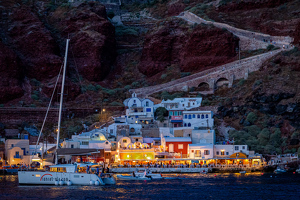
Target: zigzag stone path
{"x": 225, "y": 73}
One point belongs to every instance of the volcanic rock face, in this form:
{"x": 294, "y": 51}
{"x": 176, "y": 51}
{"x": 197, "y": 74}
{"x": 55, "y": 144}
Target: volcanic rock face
{"x": 10, "y": 87}
{"x": 92, "y": 38}
{"x": 193, "y": 49}
{"x": 33, "y": 44}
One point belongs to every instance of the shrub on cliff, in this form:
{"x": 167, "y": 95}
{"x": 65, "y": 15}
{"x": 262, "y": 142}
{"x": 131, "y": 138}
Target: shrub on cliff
{"x": 251, "y": 117}
{"x": 116, "y": 104}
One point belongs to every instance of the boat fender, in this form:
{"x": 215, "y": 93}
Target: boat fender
{"x": 69, "y": 183}
{"x": 60, "y": 182}
{"x": 97, "y": 183}
{"x": 92, "y": 182}
{"x": 56, "y": 182}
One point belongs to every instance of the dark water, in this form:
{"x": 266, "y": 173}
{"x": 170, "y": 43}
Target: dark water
{"x": 189, "y": 186}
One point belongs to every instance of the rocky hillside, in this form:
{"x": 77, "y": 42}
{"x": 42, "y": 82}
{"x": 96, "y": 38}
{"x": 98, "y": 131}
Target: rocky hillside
{"x": 107, "y": 60}
{"x": 33, "y": 39}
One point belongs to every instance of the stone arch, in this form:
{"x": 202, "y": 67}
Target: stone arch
{"x": 222, "y": 82}
{"x": 203, "y": 86}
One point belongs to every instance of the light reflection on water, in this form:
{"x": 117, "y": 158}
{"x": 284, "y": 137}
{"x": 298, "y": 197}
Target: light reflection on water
{"x": 185, "y": 186}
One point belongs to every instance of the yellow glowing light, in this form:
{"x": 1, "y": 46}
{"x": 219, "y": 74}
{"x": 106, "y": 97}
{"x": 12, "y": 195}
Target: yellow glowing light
{"x": 103, "y": 110}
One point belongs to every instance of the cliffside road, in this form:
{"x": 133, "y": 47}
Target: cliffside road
{"x": 248, "y": 40}
{"x": 224, "y": 74}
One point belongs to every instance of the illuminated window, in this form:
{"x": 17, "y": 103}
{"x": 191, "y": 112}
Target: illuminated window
{"x": 124, "y": 141}
{"x": 206, "y": 152}
{"x": 197, "y": 153}
{"x": 180, "y": 146}
{"x": 222, "y": 153}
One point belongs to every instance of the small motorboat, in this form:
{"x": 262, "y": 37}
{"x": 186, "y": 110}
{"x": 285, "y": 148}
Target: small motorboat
{"x": 279, "y": 171}
{"x": 136, "y": 178}
{"x": 203, "y": 172}
{"x": 242, "y": 172}
{"x": 108, "y": 178}
{"x": 147, "y": 173}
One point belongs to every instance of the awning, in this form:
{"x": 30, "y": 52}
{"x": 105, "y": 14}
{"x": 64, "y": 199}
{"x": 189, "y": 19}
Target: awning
{"x": 176, "y": 121}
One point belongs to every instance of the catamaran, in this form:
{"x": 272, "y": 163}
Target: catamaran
{"x": 61, "y": 174}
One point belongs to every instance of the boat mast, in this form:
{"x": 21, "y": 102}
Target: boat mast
{"x": 61, "y": 99}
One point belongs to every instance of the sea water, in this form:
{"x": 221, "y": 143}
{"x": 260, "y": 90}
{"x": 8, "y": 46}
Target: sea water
{"x": 178, "y": 186}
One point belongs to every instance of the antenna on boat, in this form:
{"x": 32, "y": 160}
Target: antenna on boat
{"x": 61, "y": 99}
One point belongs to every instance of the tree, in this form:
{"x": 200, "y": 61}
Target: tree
{"x": 263, "y": 137}
{"x": 251, "y": 117}
{"x": 161, "y": 113}
{"x": 275, "y": 138}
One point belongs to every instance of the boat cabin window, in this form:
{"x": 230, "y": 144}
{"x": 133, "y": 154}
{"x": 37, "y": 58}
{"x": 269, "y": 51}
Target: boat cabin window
{"x": 58, "y": 169}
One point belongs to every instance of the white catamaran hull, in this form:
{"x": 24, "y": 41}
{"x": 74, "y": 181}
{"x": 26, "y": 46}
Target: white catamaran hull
{"x": 54, "y": 178}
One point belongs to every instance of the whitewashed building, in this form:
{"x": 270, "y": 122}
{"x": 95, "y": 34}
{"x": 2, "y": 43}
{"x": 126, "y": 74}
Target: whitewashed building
{"x": 227, "y": 150}
{"x": 88, "y": 140}
{"x": 201, "y": 151}
{"x": 203, "y": 119}
{"x": 139, "y": 110}
{"x": 17, "y": 151}
{"x": 203, "y": 136}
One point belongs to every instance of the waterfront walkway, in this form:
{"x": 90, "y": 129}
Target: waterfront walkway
{"x": 190, "y": 169}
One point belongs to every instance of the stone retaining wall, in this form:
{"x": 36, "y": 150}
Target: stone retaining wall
{"x": 231, "y": 71}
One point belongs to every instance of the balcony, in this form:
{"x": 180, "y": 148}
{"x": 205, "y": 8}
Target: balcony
{"x": 176, "y": 119}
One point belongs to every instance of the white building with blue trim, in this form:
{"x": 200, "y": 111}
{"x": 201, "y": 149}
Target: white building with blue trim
{"x": 139, "y": 111}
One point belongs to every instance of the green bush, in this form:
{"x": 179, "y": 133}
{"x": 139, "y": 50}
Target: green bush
{"x": 183, "y": 74}
{"x": 123, "y": 30}
{"x": 206, "y": 102}
{"x": 98, "y": 87}
{"x": 35, "y": 97}
{"x": 251, "y": 117}
{"x": 270, "y": 47}
{"x": 241, "y": 82}
{"x": 33, "y": 105}
{"x": 35, "y": 82}
{"x": 163, "y": 76}
{"x": 257, "y": 83}
{"x": 90, "y": 87}
{"x": 116, "y": 104}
